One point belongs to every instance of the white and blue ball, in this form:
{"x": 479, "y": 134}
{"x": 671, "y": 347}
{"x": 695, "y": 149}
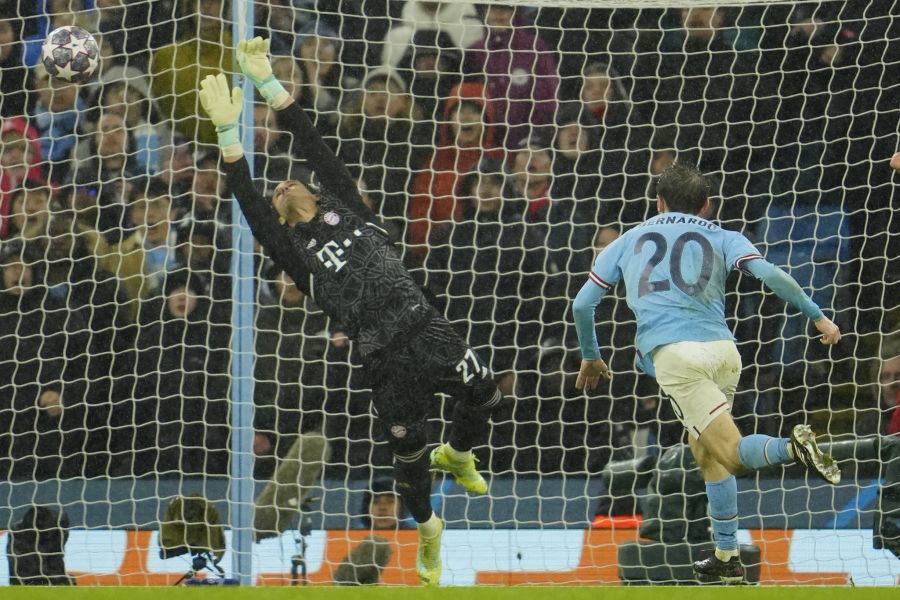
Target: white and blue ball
{"x": 70, "y": 53}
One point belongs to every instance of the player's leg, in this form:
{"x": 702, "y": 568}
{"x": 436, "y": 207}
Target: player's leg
{"x": 460, "y": 372}
{"x": 721, "y": 490}
{"x": 700, "y": 380}
{"x": 400, "y": 404}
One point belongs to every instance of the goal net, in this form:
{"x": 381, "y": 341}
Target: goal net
{"x": 152, "y": 357}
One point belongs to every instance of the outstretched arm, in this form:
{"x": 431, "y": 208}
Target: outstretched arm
{"x": 224, "y": 107}
{"x": 584, "y": 308}
{"x": 790, "y": 291}
{"x": 253, "y": 59}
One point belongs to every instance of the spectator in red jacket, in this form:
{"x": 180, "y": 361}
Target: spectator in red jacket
{"x": 20, "y": 161}
{"x": 465, "y": 137}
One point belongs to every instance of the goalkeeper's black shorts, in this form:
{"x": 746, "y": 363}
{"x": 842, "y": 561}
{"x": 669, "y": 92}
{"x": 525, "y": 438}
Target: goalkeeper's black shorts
{"x": 406, "y": 374}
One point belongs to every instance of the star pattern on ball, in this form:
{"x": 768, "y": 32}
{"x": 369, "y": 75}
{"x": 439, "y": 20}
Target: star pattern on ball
{"x": 77, "y": 45}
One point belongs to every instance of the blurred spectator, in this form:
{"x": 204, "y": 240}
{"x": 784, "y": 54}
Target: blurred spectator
{"x": 382, "y": 131}
{"x": 203, "y": 48}
{"x": 121, "y": 255}
{"x": 622, "y": 141}
{"x": 576, "y": 156}
{"x": 695, "y": 85}
{"x": 519, "y": 72}
{"x": 200, "y": 250}
{"x": 155, "y": 228}
{"x": 90, "y": 293}
{"x": 30, "y": 213}
{"x": 15, "y": 81}
{"x": 275, "y": 19}
{"x": 458, "y": 21}
{"x": 431, "y": 67}
{"x": 181, "y": 392}
{"x": 556, "y": 429}
{"x": 806, "y": 225}
{"x": 103, "y": 169}
{"x": 20, "y": 162}
{"x": 464, "y": 138}
{"x": 208, "y": 198}
{"x": 530, "y": 175}
{"x": 483, "y": 278}
{"x": 319, "y": 49}
{"x": 604, "y": 94}
{"x": 41, "y": 371}
{"x": 291, "y": 343}
{"x": 133, "y": 29}
{"x": 177, "y": 162}
{"x": 890, "y": 395}
{"x": 126, "y": 92}
{"x": 21, "y": 151}
{"x": 382, "y": 507}
{"x": 59, "y": 115}
{"x": 293, "y": 77}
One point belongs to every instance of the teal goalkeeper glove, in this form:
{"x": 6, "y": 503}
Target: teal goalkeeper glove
{"x": 254, "y": 62}
{"x": 223, "y": 107}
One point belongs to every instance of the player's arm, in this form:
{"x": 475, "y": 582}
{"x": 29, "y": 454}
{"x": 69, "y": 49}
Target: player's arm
{"x": 253, "y": 59}
{"x": 584, "y": 308}
{"x": 601, "y": 279}
{"x": 224, "y": 107}
{"x": 786, "y": 288}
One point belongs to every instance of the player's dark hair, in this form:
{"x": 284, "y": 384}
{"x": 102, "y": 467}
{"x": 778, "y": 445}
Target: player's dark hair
{"x": 683, "y": 188}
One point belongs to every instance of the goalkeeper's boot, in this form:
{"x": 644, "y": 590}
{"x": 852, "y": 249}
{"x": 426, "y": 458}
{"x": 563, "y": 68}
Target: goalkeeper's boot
{"x": 806, "y": 451}
{"x": 713, "y": 570}
{"x": 428, "y": 558}
{"x": 463, "y": 470}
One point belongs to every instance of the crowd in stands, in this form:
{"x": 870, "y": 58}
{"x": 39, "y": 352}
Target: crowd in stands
{"x": 502, "y": 146}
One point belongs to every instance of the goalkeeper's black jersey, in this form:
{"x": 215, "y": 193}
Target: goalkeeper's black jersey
{"x": 343, "y": 259}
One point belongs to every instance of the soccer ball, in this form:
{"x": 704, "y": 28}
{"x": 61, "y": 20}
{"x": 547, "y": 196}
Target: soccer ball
{"x": 70, "y": 53}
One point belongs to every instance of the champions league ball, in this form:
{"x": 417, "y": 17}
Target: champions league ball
{"x": 70, "y": 53}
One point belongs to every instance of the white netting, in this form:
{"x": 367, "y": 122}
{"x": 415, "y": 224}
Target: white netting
{"x": 503, "y": 148}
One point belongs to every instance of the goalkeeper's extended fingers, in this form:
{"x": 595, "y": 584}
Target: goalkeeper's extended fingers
{"x": 237, "y": 97}
{"x": 221, "y": 86}
{"x": 258, "y": 46}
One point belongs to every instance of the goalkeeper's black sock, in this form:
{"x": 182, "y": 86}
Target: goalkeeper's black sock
{"x": 414, "y": 483}
{"x": 470, "y": 424}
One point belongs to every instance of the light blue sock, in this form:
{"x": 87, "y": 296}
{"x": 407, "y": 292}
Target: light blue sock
{"x": 758, "y": 451}
{"x": 723, "y": 512}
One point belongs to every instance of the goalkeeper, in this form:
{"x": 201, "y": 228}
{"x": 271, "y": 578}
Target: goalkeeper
{"x": 324, "y": 237}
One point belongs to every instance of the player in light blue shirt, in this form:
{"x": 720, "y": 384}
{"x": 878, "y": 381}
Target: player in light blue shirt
{"x": 674, "y": 266}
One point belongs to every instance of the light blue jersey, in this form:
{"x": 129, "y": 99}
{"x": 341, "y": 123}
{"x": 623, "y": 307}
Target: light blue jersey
{"x": 674, "y": 266}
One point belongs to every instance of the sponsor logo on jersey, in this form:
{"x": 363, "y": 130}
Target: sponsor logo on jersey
{"x": 331, "y": 218}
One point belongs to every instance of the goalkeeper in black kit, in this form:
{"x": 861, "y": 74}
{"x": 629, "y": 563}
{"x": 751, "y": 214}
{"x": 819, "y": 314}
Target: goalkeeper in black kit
{"x": 330, "y": 244}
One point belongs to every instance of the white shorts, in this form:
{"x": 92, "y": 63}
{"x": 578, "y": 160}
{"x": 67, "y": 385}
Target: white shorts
{"x": 699, "y": 378}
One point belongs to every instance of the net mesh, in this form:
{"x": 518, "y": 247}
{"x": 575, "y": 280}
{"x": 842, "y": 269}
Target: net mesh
{"x": 503, "y": 148}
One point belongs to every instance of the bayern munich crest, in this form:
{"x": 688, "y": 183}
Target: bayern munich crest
{"x": 331, "y": 218}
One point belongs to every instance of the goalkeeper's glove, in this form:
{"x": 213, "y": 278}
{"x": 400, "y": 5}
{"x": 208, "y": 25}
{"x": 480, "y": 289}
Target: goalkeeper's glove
{"x": 223, "y": 107}
{"x": 254, "y": 62}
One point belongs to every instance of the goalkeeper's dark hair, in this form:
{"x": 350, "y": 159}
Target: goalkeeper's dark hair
{"x": 683, "y": 188}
